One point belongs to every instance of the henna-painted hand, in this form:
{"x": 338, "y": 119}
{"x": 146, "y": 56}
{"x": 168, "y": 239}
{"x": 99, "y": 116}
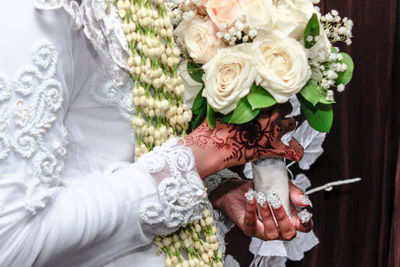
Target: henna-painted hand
{"x": 230, "y": 145}
{"x": 230, "y": 198}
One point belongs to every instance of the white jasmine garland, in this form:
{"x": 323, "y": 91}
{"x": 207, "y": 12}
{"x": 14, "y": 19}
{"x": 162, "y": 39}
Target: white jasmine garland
{"x": 228, "y": 77}
{"x": 199, "y": 38}
{"x": 282, "y": 65}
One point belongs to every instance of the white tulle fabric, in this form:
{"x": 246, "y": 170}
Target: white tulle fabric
{"x": 68, "y": 197}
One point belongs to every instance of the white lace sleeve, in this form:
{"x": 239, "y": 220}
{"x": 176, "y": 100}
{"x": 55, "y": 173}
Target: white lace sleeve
{"x": 182, "y": 195}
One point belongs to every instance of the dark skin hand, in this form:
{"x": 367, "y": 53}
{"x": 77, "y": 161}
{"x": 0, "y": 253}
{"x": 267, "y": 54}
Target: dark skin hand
{"x": 230, "y": 145}
{"x": 230, "y": 198}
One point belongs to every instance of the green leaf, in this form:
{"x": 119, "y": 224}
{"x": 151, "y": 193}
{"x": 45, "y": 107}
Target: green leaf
{"x": 211, "y": 119}
{"x": 346, "y": 76}
{"x": 226, "y": 118}
{"x": 195, "y": 71}
{"x": 319, "y": 117}
{"x": 311, "y": 92}
{"x": 199, "y": 118}
{"x": 243, "y": 112}
{"x": 260, "y": 98}
{"x": 312, "y": 29}
{"x": 199, "y": 103}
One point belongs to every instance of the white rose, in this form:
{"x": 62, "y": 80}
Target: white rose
{"x": 261, "y": 14}
{"x": 282, "y": 66}
{"x": 293, "y": 16}
{"x": 199, "y": 39}
{"x": 228, "y": 77}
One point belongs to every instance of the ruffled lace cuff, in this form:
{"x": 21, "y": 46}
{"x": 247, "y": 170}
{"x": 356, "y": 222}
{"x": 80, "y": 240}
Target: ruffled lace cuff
{"x": 182, "y": 195}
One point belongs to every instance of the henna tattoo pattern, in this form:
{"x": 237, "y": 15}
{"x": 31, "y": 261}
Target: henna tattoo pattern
{"x": 205, "y": 135}
{"x": 250, "y": 141}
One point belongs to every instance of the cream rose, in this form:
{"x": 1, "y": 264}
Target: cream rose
{"x": 225, "y": 11}
{"x": 282, "y": 66}
{"x": 228, "y": 77}
{"x": 199, "y": 38}
{"x": 293, "y": 16}
{"x": 261, "y": 14}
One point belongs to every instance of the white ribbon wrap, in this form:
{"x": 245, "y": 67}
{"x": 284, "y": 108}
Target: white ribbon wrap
{"x": 270, "y": 177}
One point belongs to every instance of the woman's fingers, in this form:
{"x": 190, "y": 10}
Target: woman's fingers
{"x": 250, "y": 218}
{"x": 274, "y": 223}
{"x": 302, "y": 220}
{"x": 286, "y": 228}
{"x": 271, "y": 232}
{"x": 294, "y": 151}
{"x": 297, "y": 196}
{"x": 286, "y": 125}
{"x": 305, "y": 227}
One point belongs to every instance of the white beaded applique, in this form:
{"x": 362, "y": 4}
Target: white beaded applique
{"x": 5, "y": 94}
{"x": 30, "y": 105}
{"x": 182, "y": 194}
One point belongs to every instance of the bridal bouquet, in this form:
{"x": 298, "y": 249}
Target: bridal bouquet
{"x": 253, "y": 54}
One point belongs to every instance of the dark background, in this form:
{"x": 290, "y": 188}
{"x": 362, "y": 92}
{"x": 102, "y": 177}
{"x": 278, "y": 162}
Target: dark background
{"x": 359, "y": 224}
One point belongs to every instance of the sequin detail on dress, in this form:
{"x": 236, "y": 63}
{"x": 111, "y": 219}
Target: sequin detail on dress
{"x": 28, "y": 110}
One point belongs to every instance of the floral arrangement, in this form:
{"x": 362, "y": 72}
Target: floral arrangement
{"x": 253, "y": 54}
{"x": 250, "y": 55}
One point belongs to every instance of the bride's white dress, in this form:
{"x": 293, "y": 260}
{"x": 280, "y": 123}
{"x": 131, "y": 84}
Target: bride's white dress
{"x": 68, "y": 194}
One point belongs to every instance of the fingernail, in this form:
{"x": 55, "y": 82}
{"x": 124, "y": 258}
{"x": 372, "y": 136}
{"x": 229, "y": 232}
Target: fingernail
{"x": 274, "y": 201}
{"x": 305, "y": 200}
{"x": 304, "y": 216}
{"x": 262, "y": 199}
{"x": 250, "y": 195}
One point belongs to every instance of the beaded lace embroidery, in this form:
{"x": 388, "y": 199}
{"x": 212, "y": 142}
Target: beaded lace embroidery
{"x": 40, "y": 97}
{"x": 182, "y": 195}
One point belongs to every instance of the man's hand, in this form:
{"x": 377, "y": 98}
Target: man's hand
{"x": 230, "y": 198}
